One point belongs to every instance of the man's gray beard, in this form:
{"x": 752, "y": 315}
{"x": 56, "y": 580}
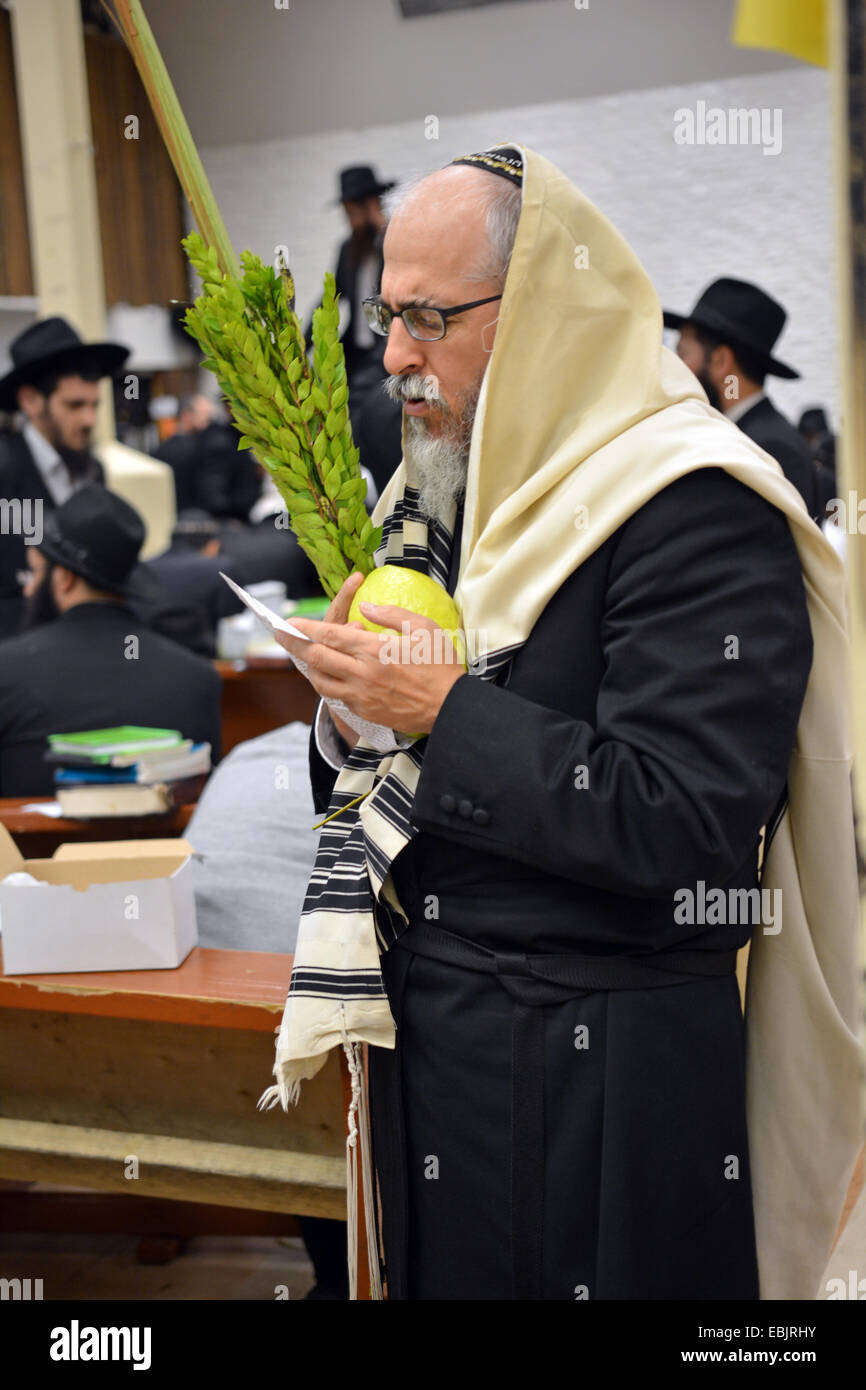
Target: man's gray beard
{"x": 440, "y": 466}
{"x": 440, "y": 462}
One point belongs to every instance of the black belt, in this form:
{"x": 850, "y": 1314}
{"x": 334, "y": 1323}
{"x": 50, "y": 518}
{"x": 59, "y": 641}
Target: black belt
{"x": 538, "y": 980}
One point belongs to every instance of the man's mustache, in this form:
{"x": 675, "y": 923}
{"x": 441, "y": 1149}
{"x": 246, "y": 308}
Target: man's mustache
{"x": 413, "y": 388}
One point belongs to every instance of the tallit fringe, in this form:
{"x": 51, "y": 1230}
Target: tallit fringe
{"x": 288, "y": 1088}
{"x": 358, "y": 1120}
{"x": 369, "y": 1199}
{"x": 289, "y": 1072}
{"x": 351, "y": 1051}
{"x": 287, "y": 1092}
{"x": 283, "y": 1094}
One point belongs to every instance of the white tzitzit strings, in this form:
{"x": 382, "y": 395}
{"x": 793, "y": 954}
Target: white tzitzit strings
{"x": 358, "y": 1118}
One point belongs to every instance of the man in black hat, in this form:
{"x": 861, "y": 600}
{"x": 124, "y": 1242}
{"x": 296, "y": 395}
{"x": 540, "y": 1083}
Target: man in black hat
{"x": 359, "y": 271}
{"x": 54, "y": 383}
{"x": 84, "y": 661}
{"x": 727, "y": 340}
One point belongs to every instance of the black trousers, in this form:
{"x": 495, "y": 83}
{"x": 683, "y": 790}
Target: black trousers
{"x": 609, "y": 1160}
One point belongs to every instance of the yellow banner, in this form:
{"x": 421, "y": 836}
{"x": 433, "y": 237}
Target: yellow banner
{"x": 798, "y": 27}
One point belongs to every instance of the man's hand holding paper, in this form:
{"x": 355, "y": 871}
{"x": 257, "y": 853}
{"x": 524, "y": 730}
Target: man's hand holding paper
{"x": 401, "y": 685}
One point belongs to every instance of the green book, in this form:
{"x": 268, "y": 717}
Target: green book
{"x": 100, "y": 745}
{"x": 309, "y": 607}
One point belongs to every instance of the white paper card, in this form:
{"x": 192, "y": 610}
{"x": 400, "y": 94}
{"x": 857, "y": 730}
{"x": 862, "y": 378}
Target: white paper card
{"x": 382, "y": 739}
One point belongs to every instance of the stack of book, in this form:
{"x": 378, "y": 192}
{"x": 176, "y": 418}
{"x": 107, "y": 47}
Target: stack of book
{"x": 126, "y": 771}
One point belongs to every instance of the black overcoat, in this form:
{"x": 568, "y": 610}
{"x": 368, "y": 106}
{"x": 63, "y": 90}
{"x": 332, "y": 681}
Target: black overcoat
{"x": 363, "y": 364}
{"x": 78, "y": 672}
{"x": 211, "y": 472}
{"x": 634, "y": 747}
{"x": 768, "y": 427}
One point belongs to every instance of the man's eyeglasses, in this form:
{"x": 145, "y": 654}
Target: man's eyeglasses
{"x": 426, "y": 324}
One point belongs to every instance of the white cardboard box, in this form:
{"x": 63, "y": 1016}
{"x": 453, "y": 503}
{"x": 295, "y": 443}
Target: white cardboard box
{"x": 120, "y": 905}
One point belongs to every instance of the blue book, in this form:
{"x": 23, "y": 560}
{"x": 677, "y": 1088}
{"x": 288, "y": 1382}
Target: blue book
{"x": 78, "y": 776}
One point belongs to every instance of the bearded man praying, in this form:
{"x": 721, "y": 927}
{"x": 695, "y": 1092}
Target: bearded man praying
{"x": 566, "y": 1101}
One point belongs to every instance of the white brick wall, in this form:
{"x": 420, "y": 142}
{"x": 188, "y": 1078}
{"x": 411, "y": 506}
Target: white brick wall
{"x": 691, "y": 213}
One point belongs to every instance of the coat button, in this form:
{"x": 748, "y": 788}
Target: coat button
{"x": 447, "y": 803}
{"x": 465, "y": 809}
{"x": 480, "y": 816}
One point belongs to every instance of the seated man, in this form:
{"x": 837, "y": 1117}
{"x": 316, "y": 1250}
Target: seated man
{"x": 209, "y": 469}
{"x": 181, "y": 450}
{"x": 84, "y": 660}
{"x": 187, "y": 577}
{"x": 253, "y": 825}
{"x": 268, "y": 551}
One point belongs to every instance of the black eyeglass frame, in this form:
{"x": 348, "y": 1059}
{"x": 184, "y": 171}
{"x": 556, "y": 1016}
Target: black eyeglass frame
{"x": 375, "y": 303}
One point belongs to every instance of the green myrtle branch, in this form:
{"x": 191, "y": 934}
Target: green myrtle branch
{"x": 294, "y": 414}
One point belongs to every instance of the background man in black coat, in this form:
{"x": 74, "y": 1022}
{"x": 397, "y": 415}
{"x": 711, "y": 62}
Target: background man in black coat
{"x": 359, "y": 271}
{"x": 210, "y": 472}
{"x": 54, "y": 383}
{"x": 377, "y": 431}
{"x": 189, "y": 571}
{"x": 180, "y": 593}
{"x": 375, "y": 418}
{"x": 814, "y": 427}
{"x": 85, "y": 660}
{"x": 727, "y": 340}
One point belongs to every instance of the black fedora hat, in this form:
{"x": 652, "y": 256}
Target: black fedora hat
{"x": 814, "y": 421}
{"x": 744, "y": 316}
{"x": 98, "y": 536}
{"x": 358, "y": 182}
{"x": 46, "y": 344}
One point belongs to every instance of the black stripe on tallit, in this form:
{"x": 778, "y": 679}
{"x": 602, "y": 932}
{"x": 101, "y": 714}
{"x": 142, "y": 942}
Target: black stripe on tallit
{"x": 389, "y": 924}
{"x": 348, "y": 986}
{"x": 378, "y": 860}
{"x": 331, "y": 901}
{"x": 360, "y": 974}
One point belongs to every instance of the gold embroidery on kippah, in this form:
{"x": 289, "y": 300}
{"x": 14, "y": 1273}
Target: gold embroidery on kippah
{"x": 510, "y": 168}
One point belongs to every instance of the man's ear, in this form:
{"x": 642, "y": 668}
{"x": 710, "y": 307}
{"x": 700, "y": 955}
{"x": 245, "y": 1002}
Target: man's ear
{"x": 30, "y": 401}
{"x": 723, "y": 360}
{"x": 63, "y": 580}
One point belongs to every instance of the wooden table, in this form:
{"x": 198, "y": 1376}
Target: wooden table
{"x": 164, "y": 1067}
{"x": 260, "y": 694}
{"x": 146, "y": 1082}
{"x": 38, "y": 836}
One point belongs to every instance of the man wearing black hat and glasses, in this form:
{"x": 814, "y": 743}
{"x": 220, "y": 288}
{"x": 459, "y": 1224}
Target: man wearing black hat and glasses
{"x": 727, "y": 340}
{"x": 54, "y": 383}
{"x": 84, "y": 660}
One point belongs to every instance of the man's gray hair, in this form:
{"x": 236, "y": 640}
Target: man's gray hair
{"x": 502, "y": 201}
